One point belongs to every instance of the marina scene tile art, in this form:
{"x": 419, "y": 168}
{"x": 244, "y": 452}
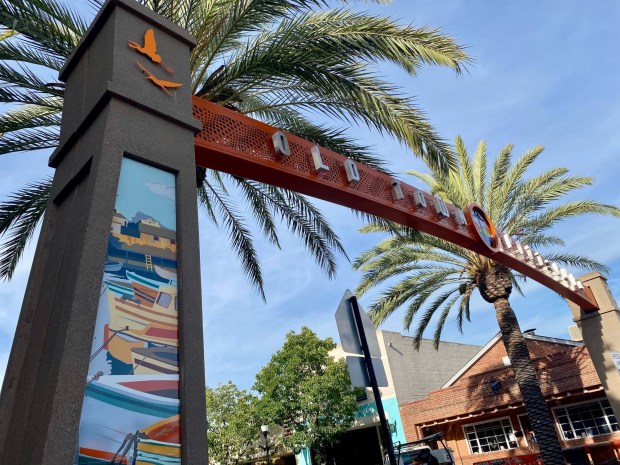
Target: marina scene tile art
{"x": 131, "y": 404}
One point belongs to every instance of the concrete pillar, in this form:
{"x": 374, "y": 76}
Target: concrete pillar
{"x": 116, "y": 107}
{"x": 601, "y": 335}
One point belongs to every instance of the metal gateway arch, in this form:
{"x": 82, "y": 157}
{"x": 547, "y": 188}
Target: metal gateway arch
{"x": 107, "y": 362}
{"x": 234, "y": 143}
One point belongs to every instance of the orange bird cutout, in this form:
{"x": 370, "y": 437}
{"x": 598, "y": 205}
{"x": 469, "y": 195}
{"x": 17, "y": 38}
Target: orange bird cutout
{"x": 164, "y": 85}
{"x": 150, "y": 49}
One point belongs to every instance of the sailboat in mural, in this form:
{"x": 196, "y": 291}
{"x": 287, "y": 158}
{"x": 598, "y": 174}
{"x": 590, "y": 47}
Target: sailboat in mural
{"x": 158, "y": 443}
{"x": 148, "y": 351}
{"x": 152, "y": 360}
{"x": 156, "y": 396}
{"x": 161, "y": 444}
{"x": 134, "y": 314}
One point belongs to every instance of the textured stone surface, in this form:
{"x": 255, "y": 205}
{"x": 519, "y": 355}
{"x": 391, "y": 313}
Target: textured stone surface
{"x": 110, "y": 111}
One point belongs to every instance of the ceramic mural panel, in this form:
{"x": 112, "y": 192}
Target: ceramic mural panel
{"x": 131, "y": 410}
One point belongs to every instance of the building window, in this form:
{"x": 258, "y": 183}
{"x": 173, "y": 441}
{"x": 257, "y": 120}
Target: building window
{"x": 360, "y": 394}
{"x": 490, "y": 436}
{"x": 586, "y": 419}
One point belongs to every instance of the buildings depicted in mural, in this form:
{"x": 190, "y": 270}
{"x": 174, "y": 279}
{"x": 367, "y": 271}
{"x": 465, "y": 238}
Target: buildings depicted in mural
{"x": 131, "y": 400}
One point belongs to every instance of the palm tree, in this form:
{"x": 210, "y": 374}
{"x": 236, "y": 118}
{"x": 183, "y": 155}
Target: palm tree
{"x": 277, "y": 60}
{"x": 435, "y": 277}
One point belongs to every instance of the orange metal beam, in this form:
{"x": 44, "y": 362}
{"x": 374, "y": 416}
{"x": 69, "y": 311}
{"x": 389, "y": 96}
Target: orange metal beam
{"x": 239, "y": 145}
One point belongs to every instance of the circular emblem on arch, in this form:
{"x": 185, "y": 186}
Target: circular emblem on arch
{"x": 481, "y": 225}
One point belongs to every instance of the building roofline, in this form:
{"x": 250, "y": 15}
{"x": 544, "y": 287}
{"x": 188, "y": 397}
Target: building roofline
{"x": 494, "y": 340}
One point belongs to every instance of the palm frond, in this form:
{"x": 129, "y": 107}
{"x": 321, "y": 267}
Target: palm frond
{"x": 240, "y": 237}
{"x": 279, "y": 60}
{"x": 46, "y": 24}
{"x": 428, "y": 275}
{"x": 30, "y": 139}
{"x": 259, "y": 207}
{"x": 501, "y": 165}
{"x": 311, "y": 74}
{"x": 551, "y": 216}
{"x": 305, "y": 220}
{"x": 290, "y": 120}
{"x": 577, "y": 261}
{"x": 19, "y": 217}
{"x": 29, "y": 117}
{"x": 27, "y": 53}
{"x": 445, "y": 311}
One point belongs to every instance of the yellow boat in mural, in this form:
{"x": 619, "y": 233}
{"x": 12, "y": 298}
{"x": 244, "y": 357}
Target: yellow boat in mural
{"x": 162, "y": 443}
{"x": 131, "y": 314}
{"x": 121, "y": 344}
{"x": 153, "y": 360}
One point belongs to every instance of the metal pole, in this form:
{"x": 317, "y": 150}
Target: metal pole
{"x": 266, "y": 446}
{"x": 373, "y": 381}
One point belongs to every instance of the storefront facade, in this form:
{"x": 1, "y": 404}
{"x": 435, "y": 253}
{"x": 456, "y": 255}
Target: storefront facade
{"x": 480, "y": 411}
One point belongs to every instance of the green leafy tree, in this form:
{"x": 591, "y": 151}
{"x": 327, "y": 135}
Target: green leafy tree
{"x": 234, "y": 424}
{"x": 434, "y": 277}
{"x": 306, "y": 389}
{"x": 276, "y": 60}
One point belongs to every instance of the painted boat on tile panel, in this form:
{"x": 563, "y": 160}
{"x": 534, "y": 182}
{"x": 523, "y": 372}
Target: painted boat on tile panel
{"x": 120, "y": 347}
{"x": 120, "y": 287}
{"x": 120, "y": 343}
{"x": 98, "y": 457}
{"x": 156, "y": 395}
{"x": 137, "y": 287}
{"x": 139, "y": 258}
{"x": 152, "y": 280}
{"x": 150, "y": 452}
{"x": 164, "y": 273}
{"x": 153, "y": 360}
{"x": 166, "y": 430}
{"x": 131, "y": 314}
{"x": 143, "y": 294}
{"x": 146, "y": 288}
{"x": 157, "y": 334}
{"x": 113, "y": 267}
{"x": 160, "y": 443}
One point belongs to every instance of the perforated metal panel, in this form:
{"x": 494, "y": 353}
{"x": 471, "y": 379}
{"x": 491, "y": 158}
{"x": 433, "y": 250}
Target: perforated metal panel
{"x": 232, "y": 142}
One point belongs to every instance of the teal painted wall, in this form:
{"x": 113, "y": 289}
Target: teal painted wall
{"x": 390, "y": 405}
{"x": 303, "y": 458}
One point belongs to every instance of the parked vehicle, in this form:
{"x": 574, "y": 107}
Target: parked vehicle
{"x": 420, "y": 453}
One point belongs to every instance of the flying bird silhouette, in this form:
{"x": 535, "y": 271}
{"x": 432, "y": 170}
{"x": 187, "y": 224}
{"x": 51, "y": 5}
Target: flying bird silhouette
{"x": 164, "y": 85}
{"x": 150, "y": 49}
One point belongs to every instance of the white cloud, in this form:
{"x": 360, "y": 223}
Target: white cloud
{"x": 159, "y": 188}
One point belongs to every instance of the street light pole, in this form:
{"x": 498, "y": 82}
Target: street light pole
{"x": 265, "y": 430}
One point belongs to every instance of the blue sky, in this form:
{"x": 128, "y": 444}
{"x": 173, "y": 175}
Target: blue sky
{"x": 149, "y": 190}
{"x": 546, "y": 73}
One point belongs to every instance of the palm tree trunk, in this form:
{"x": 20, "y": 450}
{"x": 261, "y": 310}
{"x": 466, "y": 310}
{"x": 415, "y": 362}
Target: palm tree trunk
{"x": 527, "y": 380}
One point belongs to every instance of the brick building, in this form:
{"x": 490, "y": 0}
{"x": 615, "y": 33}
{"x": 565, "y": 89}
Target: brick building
{"x": 480, "y": 410}
{"x": 411, "y": 374}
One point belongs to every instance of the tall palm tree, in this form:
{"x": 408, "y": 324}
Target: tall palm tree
{"x": 435, "y": 277}
{"x": 277, "y": 60}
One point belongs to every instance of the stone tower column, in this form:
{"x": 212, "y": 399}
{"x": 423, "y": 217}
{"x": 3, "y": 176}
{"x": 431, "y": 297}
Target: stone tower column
{"x": 601, "y": 334}
{"x": 127, "y": 102}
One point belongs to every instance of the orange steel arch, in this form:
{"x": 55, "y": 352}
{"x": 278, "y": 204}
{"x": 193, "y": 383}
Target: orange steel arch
{"x": 239, "y": 145}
